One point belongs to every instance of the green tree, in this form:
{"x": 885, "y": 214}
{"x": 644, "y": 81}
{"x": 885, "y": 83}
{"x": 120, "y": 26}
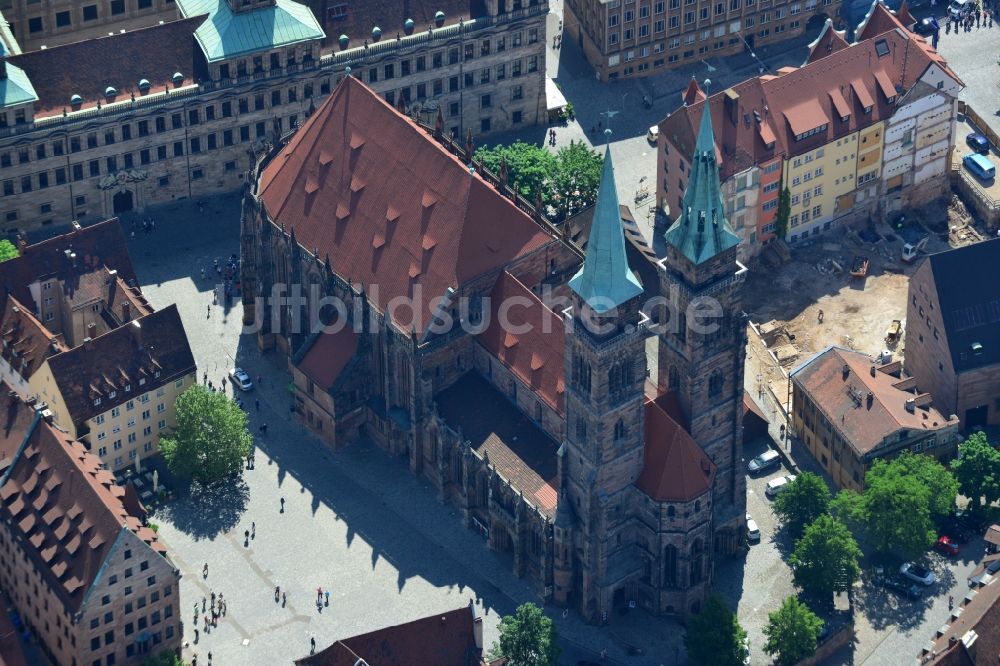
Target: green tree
{"x": 803, "y": 501}
{"x": 791, "y": 632}
{"x": 848, "y": 507}
{"x": 528, "y": 166}
{"x": 165, "y": 658}
{"x": 940, "y": 484}
{"x": 826, "y": 558}
{"x": 977, "y": 470}
{"x": 897, "y": 514}
{"x": 783, "y": 213}
{"x": 7, "y": 250}
{"x": 714, "y": 637}
{"x": 211, "y": 439}
{"x": 576, "y": 178}
{"x": 527, "y": 638}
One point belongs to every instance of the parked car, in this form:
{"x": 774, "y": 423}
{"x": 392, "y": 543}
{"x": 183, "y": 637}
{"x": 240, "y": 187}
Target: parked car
{"x": 946, "y": 546}
{"x": 917, "y": 573}
{"x": 926, "y": 26}
{"x": 903, "y": 589}
{"x": 653, "y": 134}
{"x": 980, "y": 166}
{"x": 753, "y": 532}
{"x": 961, "y": 8}
{"x": 978, "y": 143}
{"x": 770, "y": 459}
{"x": 776, "y": 486}
{"x": 240, "y": 379}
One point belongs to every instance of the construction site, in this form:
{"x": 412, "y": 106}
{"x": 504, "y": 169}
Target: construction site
{"x": 846, "y": 288}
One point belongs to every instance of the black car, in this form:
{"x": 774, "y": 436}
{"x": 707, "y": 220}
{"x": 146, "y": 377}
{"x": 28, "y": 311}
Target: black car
{"x": 902, "y": 588}
{"x": 978, "y": 143}
{"x": 926, "y": 26}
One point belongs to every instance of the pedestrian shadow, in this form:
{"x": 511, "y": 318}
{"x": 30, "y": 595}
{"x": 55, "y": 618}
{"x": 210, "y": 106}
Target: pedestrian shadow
{"x": 204, "y": 512}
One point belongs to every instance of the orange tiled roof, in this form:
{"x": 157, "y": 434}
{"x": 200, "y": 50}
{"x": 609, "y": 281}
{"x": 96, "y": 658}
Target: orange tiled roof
{"x": 829, "y": 41}
{"x": 26, "y": 343}
{"x": 536, "y": 356}
{"x": 365, "y": 186}
{"x": 675, "y": 469}
{"x": 843, "y": 397}
{"x": 447, "y": 639}
{"x": 88, "y": 67}
{"x": 328, "y": 355}
{"x": 808, "y": 97}
{"x": 59, "y": 503}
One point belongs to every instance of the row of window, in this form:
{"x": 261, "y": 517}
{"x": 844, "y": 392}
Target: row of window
{"x": 88, "y": 13}
{"x": 256, "y": 64}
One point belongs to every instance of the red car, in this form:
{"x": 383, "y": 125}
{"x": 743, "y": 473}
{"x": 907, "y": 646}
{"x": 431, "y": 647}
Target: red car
{"x": 946, "y": 546}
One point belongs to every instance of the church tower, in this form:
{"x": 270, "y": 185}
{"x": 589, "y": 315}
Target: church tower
{"x": 602, "y": 454}
{"x": 703, "y": 340}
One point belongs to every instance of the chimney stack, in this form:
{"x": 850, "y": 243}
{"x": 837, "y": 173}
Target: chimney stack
{"x": 846, "y": 370}
{"x": 86, "y": 343}
{"x": 873, "y": 370}
{"x": 871, "y": 399}
{"x": 126, "y": 311}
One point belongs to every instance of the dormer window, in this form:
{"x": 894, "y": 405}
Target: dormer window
{"x": 868, "y": 109}
{"x": 142, "y": 381}
{"x": 110, "y": 93}
{"x": 111, "y": 396}
{"x": 128, "y": 387}
{"x": 156, "y": 374}
{"x": 845, "y": 119}
{"x": 97, "y": 401}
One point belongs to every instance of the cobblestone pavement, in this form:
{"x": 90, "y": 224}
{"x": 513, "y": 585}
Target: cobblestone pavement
{"x": 974, "y": 57}
{"x": 356, "y": 522}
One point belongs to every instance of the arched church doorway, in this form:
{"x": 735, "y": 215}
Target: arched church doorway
{"x": 123, "y": 202}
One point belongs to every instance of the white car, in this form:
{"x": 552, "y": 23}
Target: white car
{"x": 776, "y": 486}
{"x": 653, "y": 134}
{"x": 241, "y": 379}
{"x": 917, "y": 573}
{"x": 753, "y": 532}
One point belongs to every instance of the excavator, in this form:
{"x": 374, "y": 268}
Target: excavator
{"x": 911, "y": 252}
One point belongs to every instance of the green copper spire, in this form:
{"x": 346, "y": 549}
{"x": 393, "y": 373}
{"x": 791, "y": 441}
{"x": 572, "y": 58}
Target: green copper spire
{"x": 701, "y": 231}
{"x": 605, "y": 281}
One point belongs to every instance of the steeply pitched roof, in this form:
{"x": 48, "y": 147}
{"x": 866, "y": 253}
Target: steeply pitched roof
{"x": 535, "y": 356}
{"x": 64, "y": 508}
{"x": 15, "y": 88}
{"x": 701, "y": 231}
{"x": 356, "y": 19}
{"x": 757, "y": 109}
{"x": 675, "y": 468}
{"x": 67, "y": 257}
{"x": 226, "y": 34}
{"x": 153, "y": 348}
{"x": 693, "y": 93}
{"x": 364, "y": 185}
{"x": 522, "y": 453}
{"x": 975, "y": 632}
{"x": 605, "y": 280}
{"x": 843, "y": 397}
{"x": 904, "y": 16}
{"x": 877, "y": 20}
{"x": 26, "y": 342}
{"x": 828, "y": 42}
{"x": 88, "y": 67}
{"x": 447, "y": 639}
{"x": 328, "y": 355}
{"x": 969, "y": 297}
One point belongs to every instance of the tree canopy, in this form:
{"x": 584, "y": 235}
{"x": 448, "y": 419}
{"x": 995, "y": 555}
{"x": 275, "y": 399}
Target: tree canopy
{"x": 826, "y": 558}
{"x": 210, "y": 441}
{"x": 714, "y": 637}
{"x": 7, "y": 250}
{"x": 528, "y": 166}
{"x": 527, "y": 638}
{"x": 977, "y": 470}
{"x": 940, "y": 484}
{"x": 804, "y": 500}
{"x": 897, "y": 515}
{"x": 577, "y": 177}
{"x": 783, "y": 213}
{"x": 791, "y": 632}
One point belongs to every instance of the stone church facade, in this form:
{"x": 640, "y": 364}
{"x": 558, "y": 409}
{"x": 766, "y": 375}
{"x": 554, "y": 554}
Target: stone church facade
{"x": 542, "y": 423}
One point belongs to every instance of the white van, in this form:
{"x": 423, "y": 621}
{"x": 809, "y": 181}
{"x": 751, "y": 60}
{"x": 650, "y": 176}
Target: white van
{"x": 776, "y": 486}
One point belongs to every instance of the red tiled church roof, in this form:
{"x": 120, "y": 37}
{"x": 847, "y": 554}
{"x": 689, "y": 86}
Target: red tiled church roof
{"x": 59, "y": 501}
{"x": 364, "y": 185}
{"x": 676, "y": 469}
{"x": 88, "y": 67}
{"x": 328, "y": 355}
{"x": 535, "y": 356}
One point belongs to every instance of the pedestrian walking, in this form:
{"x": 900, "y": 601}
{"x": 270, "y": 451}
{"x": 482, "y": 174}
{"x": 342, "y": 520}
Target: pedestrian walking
{"x": 203, "y": 604}
{"x": 196, "y": 634}
{"x": 246, "y": 535}
{"x": 256, "y": 404}
{"x": 213, "y": 599}
{"x": 223, "y": 383}
{"x": 284, "y": 599}
{"x": 253, "y": 530}
{"x": 208, "y": 309}
{"x": 282, "y": 505}
{"x": 204, "y": 570}
{"x": 223, "y": 609}
{"x": 319, "y": 594}
{"x": 327, "y": 594}
{"x": 312, "y": 644}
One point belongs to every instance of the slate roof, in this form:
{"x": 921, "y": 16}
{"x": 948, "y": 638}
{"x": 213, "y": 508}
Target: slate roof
{"x": 523, "y": 453}
{"x": 155, "y": 343}
{"x": 605, "y": 280}
{"x": 227, "y": 34}
{"x": 675, "y": 468}
{"x": 358, "y": 18}
{"x": 63, "y": 508}
{"x": 96, "y": 247}
{"x": 26, "y": 342}
{"x": 968, "y": 294}
{"x": 15, "y": 88}
{"x": 848, "y": 73}
{"x": 447, "y": 639}
{"x": 328, "y": 355}
{"x": 534, "y": 356}
{"x": 843, "y": 398}
{"x": 365, "y": 186}
{"x": 88, "y": 67}
{"x": 701, "y": 231}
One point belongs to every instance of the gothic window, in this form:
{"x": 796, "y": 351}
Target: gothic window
{"x": 581, "y": 429}
{"x": 620, "y": 431}
{"x": 671, "y": 511}
{"x": 697, "y": 556}
{"x": 682, "y": 328}
{"x": 670, "y": 566}
{"x": 581, "y": 374}
{"x": 715, "y": 383}
{"x": 620, "y": 377}
{"x": 673, "y": 378}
